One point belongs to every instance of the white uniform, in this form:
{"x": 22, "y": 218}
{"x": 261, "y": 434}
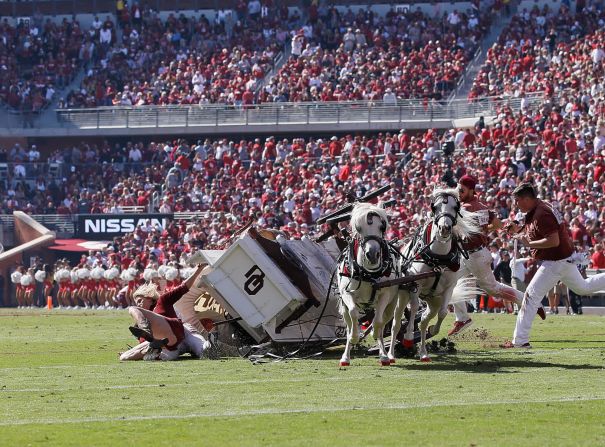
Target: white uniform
{"x": 479, "y": 264}
{"x": 547, "y": 276}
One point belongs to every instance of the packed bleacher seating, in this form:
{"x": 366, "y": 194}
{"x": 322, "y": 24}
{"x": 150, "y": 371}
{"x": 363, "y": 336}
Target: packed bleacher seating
{"x": 364, "y": 56}
{"x": 185, "y": 60}
{"x": 351, "y": 55}
{"x": 38, "y": 58}
{"x": 286, "y": 183}
{"x": 545, "y": 50}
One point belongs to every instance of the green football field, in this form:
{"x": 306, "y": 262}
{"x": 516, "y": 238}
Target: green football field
{"x": 61, "y": 384}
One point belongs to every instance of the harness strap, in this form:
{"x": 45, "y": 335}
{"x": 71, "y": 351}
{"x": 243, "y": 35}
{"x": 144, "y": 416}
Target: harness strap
{"x": 436, "y": 282}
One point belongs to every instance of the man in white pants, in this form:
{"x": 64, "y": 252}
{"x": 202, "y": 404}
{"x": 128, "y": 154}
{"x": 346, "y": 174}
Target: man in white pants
{"x": 479, "y": 262}
{"x": 545, "y": 233}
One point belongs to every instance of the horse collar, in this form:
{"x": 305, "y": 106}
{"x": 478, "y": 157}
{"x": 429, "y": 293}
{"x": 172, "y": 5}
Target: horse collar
{"x": 450, "y": 260}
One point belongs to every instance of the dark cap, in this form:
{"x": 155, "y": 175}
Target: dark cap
{"x": 469, "y": 181}
{"x": 525, "y": 189}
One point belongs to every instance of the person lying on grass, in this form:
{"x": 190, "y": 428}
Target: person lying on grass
{"x": 161, "y": 332}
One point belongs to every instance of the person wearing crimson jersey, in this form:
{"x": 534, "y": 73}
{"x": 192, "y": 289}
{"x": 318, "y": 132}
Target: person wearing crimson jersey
{"x": 156, "y": 318}
{"x": 479, "y": 261}
{"x": 545, "y": 233}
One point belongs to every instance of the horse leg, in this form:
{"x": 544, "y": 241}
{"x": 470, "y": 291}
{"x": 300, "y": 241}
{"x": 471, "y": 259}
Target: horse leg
{"x": 408, "y": 337}
{"x": 383, "y": 303}
{"x": 428, "y": 315}
{"x": 434, "y": 330}
{"x": 345, "y": 360}
{"x": 351, "y": 317}
{"x": 402, "y": 301}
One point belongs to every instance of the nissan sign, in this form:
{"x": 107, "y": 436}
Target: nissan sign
{"x": 106, "y": 227}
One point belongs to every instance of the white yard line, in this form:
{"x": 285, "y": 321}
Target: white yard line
{"x": 260, "y": 412}
{"x": 210, "y": 382}
{"x": 461, "y": 352}
{"x": 303, "y": 378}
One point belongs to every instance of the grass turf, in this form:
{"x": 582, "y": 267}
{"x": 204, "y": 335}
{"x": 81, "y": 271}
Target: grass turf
{"x": 61, "y": 384}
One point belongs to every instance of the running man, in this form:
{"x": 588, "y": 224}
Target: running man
{"x": 479, "y": 261}
{"x": 545, "y": 233}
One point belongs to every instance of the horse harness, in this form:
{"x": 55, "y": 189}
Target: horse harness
{"x": 353, "y": 270}
{"x": 421, "y": 246}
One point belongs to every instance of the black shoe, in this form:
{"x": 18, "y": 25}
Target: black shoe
{"x": 140, "y": 333}
{"x": 153, "y": 342}
{"x": 158, "y": 343}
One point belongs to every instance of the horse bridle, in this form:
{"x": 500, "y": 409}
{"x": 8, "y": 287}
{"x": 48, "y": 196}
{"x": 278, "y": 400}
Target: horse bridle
{"x": 423, "y": 251}
{"x": 362, "y": 273}
{"x": 444, "y": 196}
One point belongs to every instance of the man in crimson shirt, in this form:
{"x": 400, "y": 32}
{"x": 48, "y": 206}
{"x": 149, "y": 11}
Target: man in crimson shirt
{"x": 545, "y": 233}
{"x": 480, "y": 259}
{"x": 162, "y": 323}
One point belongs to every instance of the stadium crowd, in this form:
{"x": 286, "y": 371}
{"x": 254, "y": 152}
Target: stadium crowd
{"x": 288, "y": 183}
{"x": 186, "y": 60}
{"x": 546, "y": 51}
{"x": 367, "y": 57}
{"x": 40, "y": 57}
{"x": 337, "y": 55}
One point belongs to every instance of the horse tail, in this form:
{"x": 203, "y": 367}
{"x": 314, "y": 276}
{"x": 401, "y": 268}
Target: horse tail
{"x": 465, "y": 289}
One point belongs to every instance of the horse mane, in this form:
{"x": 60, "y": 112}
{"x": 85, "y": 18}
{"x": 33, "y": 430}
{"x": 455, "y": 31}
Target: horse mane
{"x": 468, "y": 224}
{"x": 359, "y": 213}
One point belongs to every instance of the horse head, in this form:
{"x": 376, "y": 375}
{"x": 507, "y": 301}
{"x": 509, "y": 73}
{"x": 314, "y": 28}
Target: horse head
{"x": 445, "y": 207}
{"x": 369, "y": 223}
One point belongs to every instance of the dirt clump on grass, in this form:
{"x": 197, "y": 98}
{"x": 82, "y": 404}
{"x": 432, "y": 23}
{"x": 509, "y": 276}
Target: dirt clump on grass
{"x": 479, "y": 336}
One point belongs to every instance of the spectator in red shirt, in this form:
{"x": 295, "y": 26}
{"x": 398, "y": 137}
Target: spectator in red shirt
{"x": 598, "y": 257}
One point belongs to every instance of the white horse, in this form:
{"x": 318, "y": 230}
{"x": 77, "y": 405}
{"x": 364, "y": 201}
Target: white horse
{"x": 367, "y": 259}
{"x": 435, "y": 247}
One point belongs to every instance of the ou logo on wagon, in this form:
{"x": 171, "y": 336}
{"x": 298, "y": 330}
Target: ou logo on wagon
{"x": 255, "y": 280}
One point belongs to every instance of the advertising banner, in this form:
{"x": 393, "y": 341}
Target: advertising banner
{"x": 108, "y": 226}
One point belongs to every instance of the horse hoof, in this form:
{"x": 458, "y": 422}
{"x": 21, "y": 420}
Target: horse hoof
{"x": 408, "y": 344}
{"x": 391, "y": 361}
{"x": 345, "y": 363}
{"x": 386, "y": 362}
{"x": 425, "y": 359}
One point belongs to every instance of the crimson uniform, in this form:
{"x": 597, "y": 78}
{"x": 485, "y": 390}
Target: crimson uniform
{"x": 165, "y": 307}
{"x": 555, "y": 264}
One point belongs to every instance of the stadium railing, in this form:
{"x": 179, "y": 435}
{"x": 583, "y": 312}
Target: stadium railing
{"x": 218, "y": 115}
